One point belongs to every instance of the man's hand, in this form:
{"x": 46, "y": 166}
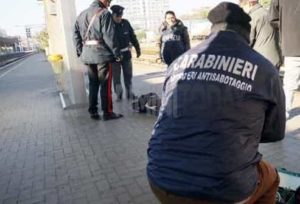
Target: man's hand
{"x": 119, "y": 58}
{"x": 138, "y": 53}
{"x": 159, "y": 60}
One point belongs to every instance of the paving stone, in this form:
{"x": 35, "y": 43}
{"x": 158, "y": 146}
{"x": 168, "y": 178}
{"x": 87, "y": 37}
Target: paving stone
{"x": 134, "y": 190}
{"x": 33, "y": 200}
{"x": 102, "y": 185}
{"x": 10, "y": 201}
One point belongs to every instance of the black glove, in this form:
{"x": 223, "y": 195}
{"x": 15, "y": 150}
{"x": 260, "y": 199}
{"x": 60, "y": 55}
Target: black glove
{"x": 138, "y": 53}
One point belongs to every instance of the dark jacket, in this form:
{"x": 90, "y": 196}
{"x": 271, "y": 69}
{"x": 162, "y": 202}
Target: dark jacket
{"x": 101, "y": 30}
{"x": 126, "y": 37}
{"x": 220, "y": 99}
{"x": 263, "y": 37}
{"x": 285, "y": 15}
{"x": 174, "y": 40}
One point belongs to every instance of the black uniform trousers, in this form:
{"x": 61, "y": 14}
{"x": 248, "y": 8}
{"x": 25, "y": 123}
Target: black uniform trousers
{"x": 126, "y": 66}
{"x": 100, "y": 75}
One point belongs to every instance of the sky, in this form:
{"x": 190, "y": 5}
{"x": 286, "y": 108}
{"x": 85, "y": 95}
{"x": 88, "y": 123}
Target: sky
{"x": 16, "y": 14}
{"x": 180, "y": 8}
{"x": 177, "y": 5}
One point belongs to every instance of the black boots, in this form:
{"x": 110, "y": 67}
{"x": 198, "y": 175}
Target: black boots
{"x": 95, "y": 116}
{"x": 111, "y": 116}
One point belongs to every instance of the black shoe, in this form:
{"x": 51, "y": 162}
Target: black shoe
{"x": 95, "y": 116}
{"x": 111, "y": 116}
{"x": 119, "y": 98}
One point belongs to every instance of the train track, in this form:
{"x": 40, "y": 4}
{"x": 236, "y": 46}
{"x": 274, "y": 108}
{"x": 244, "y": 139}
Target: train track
{"x": 9, "y": 65}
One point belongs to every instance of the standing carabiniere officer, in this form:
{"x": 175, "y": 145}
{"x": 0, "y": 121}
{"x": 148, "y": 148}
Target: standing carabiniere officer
{"x": 126, "y": 38}
{"x": 97, "y": 46}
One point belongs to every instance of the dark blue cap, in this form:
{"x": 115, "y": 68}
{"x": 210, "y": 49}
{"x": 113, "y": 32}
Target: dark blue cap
{"x": 117, "y": 9}
{"x": 229, "y": 13}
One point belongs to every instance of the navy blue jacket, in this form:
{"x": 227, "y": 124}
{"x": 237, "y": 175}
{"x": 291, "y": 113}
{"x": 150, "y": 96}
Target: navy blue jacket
{"x": 220, "y": 99}
{"x": 174, "y": 40}
{"x": 126, "y": 37}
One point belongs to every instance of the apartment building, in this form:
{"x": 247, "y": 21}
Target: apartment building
{"x": 144, "y": 14}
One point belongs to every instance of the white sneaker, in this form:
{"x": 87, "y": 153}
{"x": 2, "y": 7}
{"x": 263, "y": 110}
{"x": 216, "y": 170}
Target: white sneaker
{"x": 287, "y": 115}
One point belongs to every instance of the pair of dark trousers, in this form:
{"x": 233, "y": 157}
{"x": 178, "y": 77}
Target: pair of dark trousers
{"x": 265, "y": 192}
{"x": 100, "y": 75}
{"x": 126, "y": 66}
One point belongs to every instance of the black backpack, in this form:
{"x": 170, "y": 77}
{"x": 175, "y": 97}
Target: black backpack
{"x": 289, "y": 191}
{"x": 149, "y": 102}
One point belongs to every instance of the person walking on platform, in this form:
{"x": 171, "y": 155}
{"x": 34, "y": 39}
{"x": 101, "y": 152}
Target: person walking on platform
{"x": 97, "y": 47}
{"x": 219, "y": 101}
{"x": 263, "y": 37}
{"x": 174, "y": 38}
{"x": 285, "y": 15}
{"x": 126, "y": 38}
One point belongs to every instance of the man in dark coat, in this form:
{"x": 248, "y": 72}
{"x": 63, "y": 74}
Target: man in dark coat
{"x": 263, "y": 37}
{"x": 126, "y": 38}
{"x": 174, "y": 38}
{"x": 285, "y": 15}
{"x": 220, "y": 100}
{"x": 96, "y": 45}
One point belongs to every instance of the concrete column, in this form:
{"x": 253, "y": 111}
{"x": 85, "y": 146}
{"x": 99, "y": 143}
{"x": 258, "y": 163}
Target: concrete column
{"x": 66, "y": 12}
{"x": 60, "y": 28}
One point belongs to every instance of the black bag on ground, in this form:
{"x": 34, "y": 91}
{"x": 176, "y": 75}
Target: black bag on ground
{"x": 289, "y": 189}
{"x": 149, "y": 102}
{"x": 288, "y": 196}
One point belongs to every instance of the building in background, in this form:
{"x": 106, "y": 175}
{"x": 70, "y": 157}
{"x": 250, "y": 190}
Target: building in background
{"x": 8, "y": 44}
{"x": 144, "y": 14}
